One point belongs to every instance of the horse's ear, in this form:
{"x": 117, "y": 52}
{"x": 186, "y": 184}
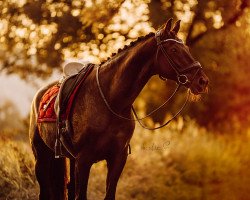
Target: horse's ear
{"x": 168, "y": 25}
{"x": 176, "y": 27}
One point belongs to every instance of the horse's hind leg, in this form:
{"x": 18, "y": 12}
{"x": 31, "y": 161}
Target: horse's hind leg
{"x": 50, "y": 172}
{"x": 42, "y": 166}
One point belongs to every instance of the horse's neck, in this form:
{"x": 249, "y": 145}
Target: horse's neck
{"x": 129, "y": 73}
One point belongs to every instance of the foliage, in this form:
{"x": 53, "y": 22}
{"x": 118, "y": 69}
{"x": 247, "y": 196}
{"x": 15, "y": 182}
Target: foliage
{"x": 44, "y": 32}
{"x": 182, "y": 162}
{"x": 226, "y": 56}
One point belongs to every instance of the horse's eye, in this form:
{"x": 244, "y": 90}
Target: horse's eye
{"x": 174, "y": 50}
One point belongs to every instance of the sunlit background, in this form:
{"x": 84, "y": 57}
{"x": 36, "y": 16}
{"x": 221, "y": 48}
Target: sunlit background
{"x": 208, "y": 152}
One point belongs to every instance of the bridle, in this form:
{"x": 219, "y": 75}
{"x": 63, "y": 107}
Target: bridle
{"x": 181, "y": 78}
{"x": 180, "y": 74}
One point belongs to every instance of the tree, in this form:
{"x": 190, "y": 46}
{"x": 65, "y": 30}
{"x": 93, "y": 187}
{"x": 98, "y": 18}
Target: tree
{"x": 37, "y": 35}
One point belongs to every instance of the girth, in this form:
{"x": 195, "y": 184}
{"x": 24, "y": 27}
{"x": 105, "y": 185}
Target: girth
{"x": 67, "y": 92}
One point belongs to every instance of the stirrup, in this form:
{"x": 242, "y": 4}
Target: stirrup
{"x": 58, "y": 149}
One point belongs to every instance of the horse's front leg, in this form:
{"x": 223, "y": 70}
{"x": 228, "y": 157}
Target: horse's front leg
{"x": 115, "y": 166}
{"x": 82, "y": 169}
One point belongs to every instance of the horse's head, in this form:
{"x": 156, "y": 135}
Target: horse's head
{"x": 174, "y": 60}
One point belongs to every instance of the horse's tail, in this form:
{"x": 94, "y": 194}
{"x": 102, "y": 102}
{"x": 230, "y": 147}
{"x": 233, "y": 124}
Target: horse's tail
{"x": 33, "y": 128}
{"x": 50, "y": 172}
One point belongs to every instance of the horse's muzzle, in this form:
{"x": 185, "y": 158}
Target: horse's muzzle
{"x": 200, "y": 84}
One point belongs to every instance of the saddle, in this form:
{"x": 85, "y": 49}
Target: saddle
{"x": 56, "y": 104}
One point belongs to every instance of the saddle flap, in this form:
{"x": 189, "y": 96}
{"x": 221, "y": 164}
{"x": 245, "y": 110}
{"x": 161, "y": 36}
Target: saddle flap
{"x": 57, "y": 101}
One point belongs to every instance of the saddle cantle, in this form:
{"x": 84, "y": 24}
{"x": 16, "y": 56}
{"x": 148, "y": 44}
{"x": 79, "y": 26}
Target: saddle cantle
{"x": 73, "y": 68}
{"x": 56, "y": 104}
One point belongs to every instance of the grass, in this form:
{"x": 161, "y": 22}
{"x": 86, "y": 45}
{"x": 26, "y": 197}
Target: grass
{"x": 16, "y": 170}
{"x": 181, "y": 162}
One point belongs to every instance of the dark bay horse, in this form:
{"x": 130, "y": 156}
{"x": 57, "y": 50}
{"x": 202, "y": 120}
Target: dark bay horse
{"x": 97, "y": 133}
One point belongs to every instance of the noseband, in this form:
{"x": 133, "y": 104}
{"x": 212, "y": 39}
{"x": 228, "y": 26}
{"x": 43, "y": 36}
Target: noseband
{"x": 180, "y": 73}
{"x": 181, "y": 78}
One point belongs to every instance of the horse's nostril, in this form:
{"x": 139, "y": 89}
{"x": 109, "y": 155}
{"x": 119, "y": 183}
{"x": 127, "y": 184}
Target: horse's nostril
{"x": 203, "y": 81}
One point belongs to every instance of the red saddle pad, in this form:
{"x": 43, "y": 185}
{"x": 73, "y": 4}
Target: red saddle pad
{"x": 46, "y": 111}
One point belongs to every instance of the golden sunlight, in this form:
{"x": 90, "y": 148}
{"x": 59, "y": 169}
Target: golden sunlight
{"x": 193, "y": 156}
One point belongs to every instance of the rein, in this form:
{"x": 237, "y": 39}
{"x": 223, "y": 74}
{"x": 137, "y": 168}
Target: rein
{"x": 126, "y": 118}
{"x": 182, "y": 80}
{"x": 166, "y": 123}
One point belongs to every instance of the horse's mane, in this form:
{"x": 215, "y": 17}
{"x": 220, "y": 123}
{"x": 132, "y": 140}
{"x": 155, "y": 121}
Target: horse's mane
{"x": 133, "y": 43}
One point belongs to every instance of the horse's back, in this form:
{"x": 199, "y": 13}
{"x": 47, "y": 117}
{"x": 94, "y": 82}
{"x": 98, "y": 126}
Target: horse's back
{"x": 38, "y": 96}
